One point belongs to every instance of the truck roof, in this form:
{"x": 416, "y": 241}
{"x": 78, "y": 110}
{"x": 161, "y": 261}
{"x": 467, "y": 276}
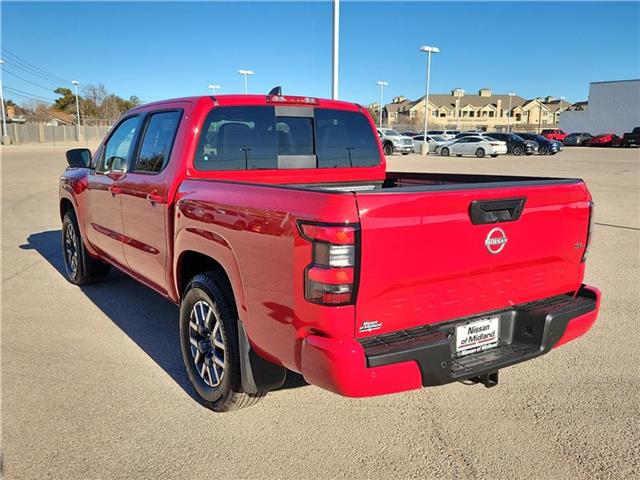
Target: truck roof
{"x": 280, "y": 100}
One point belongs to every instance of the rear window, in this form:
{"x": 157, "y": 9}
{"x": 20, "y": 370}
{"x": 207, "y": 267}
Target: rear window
{"x": 247, "y": 138}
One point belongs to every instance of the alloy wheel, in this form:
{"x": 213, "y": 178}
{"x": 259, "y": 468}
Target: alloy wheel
{"x": 71, "y": 249}
{"x": 207, "y": 343}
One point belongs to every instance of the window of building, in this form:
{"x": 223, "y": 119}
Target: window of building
{"x": 157, "y": 141}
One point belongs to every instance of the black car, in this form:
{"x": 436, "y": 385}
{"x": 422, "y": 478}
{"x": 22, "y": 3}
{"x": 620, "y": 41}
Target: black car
{"x": 516, "y": 145}
{"x": 545, "y": 146}
{"x": 578, "y": 139}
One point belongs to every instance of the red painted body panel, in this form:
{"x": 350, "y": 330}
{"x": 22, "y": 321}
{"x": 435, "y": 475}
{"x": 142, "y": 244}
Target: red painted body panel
{"x": 420, "y": 259}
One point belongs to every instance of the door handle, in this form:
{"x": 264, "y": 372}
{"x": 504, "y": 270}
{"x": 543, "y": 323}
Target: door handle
{"x": 154, "y": 197}
{"x": 114, "y": 190}
{"x": 496, "y": 211}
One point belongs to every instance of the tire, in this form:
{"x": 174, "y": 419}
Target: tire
{"x": 388, "y": 149}
{"x": 80, "y": 267}
{"x": 518, "y": 150}
{"x": 406, "y": 153}
{"x": 480, "y": 153}
{"x": 494, "y": 155}
{"x": 444, "y": 152}
{"x": 208, "y": 311}
{"x": 544, "y": 150}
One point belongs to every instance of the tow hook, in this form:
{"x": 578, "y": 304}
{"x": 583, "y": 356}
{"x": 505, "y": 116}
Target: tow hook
{"x": 488, "y": 379}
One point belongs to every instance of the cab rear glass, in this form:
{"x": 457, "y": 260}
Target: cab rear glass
{"x": 268, "y": 137}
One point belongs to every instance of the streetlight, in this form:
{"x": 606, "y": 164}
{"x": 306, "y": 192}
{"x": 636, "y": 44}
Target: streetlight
{"x": 460, "y": 92}
{"x": 382, "y": 85}
{"x": 335, "y": 50}
{"x": 213, "y": 88}
{"x": 429, "y": 51}
{"x": 511, "y": 95}
{"x": 245, "y": 73}
{"x": 5, "y": 135}
{"x": 559, "y": 110}
{"x": 75, "y": 84}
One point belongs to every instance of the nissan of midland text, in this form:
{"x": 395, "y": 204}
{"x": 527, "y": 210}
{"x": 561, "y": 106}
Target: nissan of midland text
{"x": 272, "y": 222}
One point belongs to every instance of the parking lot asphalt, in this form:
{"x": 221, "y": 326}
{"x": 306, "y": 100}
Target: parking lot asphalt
{"x": 93, "y": 383}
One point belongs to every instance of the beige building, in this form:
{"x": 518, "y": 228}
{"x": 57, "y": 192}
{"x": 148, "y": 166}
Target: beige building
{"x": 486, "y": 111}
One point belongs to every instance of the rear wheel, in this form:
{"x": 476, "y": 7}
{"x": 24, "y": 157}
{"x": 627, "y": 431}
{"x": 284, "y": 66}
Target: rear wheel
{"x": 80, "y": 267}
{"x": 209, "y": 342}
{"x": 518, "y": 150}
{"x": 480, "y": 152}
{"x": 544, "y": 150}
{"x": 388, "y": 149}
{"x": 494, "y": 155}
{"x": 405, "y": 153}
{"x": 444, "y": 152}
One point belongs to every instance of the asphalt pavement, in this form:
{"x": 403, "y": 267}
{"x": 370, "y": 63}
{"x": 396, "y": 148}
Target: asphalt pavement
{"x": 93, "y": 384}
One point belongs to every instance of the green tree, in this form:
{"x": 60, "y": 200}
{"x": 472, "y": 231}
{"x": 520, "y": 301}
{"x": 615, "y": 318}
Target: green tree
{"x": 66, "y": 100}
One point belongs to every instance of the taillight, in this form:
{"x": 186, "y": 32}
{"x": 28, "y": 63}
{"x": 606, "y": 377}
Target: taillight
{"x": 589, "y": 232}
{"x": 330, "y": 278}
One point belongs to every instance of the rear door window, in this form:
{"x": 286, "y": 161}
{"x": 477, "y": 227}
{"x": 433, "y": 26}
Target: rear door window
{"x": 157, "y": 142}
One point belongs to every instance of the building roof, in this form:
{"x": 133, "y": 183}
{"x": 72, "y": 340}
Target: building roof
{"x": 448, "y": 100}
{"x": 555, "y": 105}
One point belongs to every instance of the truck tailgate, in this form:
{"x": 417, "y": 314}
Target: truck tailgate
{"x": 424, "y": 261}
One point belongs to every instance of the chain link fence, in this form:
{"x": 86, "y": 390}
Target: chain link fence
{"x": 30, "y": 133}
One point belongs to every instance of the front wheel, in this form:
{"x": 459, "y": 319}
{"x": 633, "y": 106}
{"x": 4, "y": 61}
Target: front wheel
{"x": 494, "y": 155}
{"x": 80, "y": 267}
{"x": 544, "y": 151}
{"x": 388, "y": 149}
{"x": 518, "y": 150}
{"x": 480, "y": 152}
{"x": 209, "y": 342}
{"x": 444, "y": 152}
{"x": 405, "y": 153}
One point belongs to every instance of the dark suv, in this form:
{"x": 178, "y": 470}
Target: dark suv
{"x": 578, "y": 139}
{"x": 545, "y": 146}
{"x": 516, "y": 145}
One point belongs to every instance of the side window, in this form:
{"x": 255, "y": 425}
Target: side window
{"x": 117, "y": 150}
{"x": 157, "y": 141}
{"x": 238, "y": 138}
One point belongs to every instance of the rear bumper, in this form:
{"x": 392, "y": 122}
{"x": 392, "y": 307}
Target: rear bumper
{"x": 423, "y": 356}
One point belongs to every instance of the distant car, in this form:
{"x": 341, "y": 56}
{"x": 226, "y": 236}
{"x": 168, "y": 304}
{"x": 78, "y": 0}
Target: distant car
{"x": 478, "y": 146}
{"x": 545, "y": 146}
{"x": 433, "y": 141}
{"x": 393, "y": 141}
{"x": 553, "y": 134}
{"x": 606, "y": 140}
{"x": 469, "y": 133}
{"x": 449, "y": 134}
{"x": 516, "y": 145}
{"x": 409, "y": 134}
{"x": 578, "y": 139}
{"x": 631, "y": 138}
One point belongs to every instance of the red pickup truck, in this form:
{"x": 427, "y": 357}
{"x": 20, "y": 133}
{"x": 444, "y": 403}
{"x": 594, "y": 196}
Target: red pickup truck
{"x": 273, "y": 223}
{"x": 554, "y": 134}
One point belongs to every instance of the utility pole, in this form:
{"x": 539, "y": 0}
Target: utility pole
{"x": 5, "y": 134}
{"x": 336, "y": 49}
{"x": 75, "y": 84}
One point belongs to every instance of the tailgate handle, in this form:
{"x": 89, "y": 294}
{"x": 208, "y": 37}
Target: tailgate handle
{"x": 496, "y": 211}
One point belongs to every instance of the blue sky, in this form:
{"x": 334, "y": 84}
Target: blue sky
{"x": 164, "y": 50}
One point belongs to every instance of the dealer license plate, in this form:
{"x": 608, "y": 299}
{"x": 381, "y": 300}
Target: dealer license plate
{"x": 477, "y": 336}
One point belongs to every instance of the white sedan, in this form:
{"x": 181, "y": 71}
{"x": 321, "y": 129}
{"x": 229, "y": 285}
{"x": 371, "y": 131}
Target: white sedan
{"x": 432, "y": 140}
{"x": 478, "y": 146}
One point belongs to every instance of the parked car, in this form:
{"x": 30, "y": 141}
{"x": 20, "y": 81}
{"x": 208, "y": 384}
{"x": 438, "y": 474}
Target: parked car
{"x": 545, "y": 146}
{"x": 393, "y": 141}
{"x": 409, "y": 134}
{"x": 272, "y": 222}
{"x": 553, "y": 134}
{"x": 448, "y": 134}
{"x": 606, "y": 140}
{"x": 516, "y": 145}
{"x": 578, "y": 139}
{"x": 478, "y": 146}
{"x": 432, "y": 140}
{"x": 631, "y": 138}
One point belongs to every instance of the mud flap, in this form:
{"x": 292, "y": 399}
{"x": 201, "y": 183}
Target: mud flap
{"x": 258, "y": 375}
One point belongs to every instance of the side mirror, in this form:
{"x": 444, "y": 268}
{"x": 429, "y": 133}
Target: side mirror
{"x": 79, "y": 157}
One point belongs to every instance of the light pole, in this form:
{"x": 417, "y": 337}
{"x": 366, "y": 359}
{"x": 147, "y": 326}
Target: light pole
{"x": 245, "y": 73}
{"x": 460, "y": 92}
{"x": 5, "y": 135}
{"x": 213, "y": 88}
{"x": 429, "y": 50}
{"x": 559, "y": 110}
{"x": 382, "y": 85}
{"x": 75, "y": 84}
{"x": 335, "y": 50}
{"x": 511, "y": 95}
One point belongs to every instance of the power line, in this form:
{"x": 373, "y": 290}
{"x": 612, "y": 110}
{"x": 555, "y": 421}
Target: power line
{"x": 28, "y": 81}
{"x": 28, "y": 94}
{"x": 34, "y": 74}
{"x": 16, "y": 59}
